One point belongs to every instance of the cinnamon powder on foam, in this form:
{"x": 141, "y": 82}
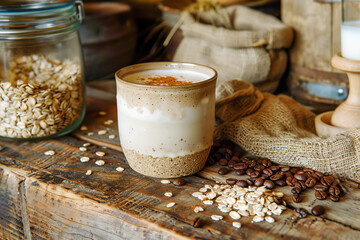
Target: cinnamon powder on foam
{"x": 164, "y": 81}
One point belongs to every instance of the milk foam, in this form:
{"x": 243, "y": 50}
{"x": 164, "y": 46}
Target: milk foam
{"x": 181, "y": 75}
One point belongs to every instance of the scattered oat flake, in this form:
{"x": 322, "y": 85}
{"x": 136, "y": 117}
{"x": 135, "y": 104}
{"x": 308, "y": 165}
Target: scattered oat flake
{"x": 168, "y": 194}
{"x": 170, "y": 205}
{"x": 102, "y": 113}
{"x": 102, "y": 132}
{"x": 112, "y": 136}
{"x": 165, "y": 181}
{"x": 83, "y": 128}
{"x": 208, "y": 202}
{"x": 100, "y": 162}
{"x": 90, "y": 133}
{"x": 236, "y": 224}
{"x": 120, "y": 169}
{"x": 83, "y": 149}
{"x": 100, "y": 154}
{"x": 198, "y": 209}
{"x": 109, "y": 122}
{"x": 86, "y": 144}
{"x": 216, "y": 217}
{"x": 88, "y": 172}
{"x": 49, "y": 153}
{"x": 84, "y": 159}
{"x": 269, "y": 219}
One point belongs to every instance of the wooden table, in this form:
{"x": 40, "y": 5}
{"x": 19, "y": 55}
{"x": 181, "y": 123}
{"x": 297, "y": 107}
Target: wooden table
{"x": 51, "y": 197}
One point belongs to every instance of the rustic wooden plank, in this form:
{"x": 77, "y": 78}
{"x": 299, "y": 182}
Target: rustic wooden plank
{"x": 11, "y": 225}
{"x": 347, "y": 211}
{"x": 63, "y": 202}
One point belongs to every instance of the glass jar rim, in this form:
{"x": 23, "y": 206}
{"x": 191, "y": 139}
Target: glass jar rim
{"x": 32, "y": 20}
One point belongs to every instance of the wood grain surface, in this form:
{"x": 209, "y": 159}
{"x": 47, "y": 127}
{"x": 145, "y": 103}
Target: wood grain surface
{"x": 51, "y": 197}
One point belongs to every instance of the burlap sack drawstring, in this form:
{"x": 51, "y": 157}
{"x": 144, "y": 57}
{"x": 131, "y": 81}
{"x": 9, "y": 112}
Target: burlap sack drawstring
{"x": 279, "y": 128}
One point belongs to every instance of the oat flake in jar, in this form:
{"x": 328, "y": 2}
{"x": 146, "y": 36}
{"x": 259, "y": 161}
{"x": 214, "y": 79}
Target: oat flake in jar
{"x": 41, "y": 68}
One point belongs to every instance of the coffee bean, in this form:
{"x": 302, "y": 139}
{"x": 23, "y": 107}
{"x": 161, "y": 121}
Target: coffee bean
{"x": 308, "y": 170}
{"x": 300, "y": 171}
{"x": 319, "y": 187}
{"x": 225, "y": 150}
{"x": 255, "y": 174}
{"x": 223, "y": 162}
{"x": 303, "y": 213}
{"x": 303, "y": 186}
{"x": 297, "y": 184}
{"x": 250, "y": 183}
{"x": 285, "y": 169}
{"x": 266, "y": 163}
{"x": 334, "y": 198}
{"x": 249, "y": 171}
{"x": 275, "y": 168}
{"x": 275, "y": 177}
{"x": 327, "y": 180}
{"x": 235, "y": 159}
{"x": 296, "y": 197}
{"x": 231, "y": 163}
{"x": 227, "y": 156}
{"x": 288, "y": 174}
{"x": 240, "y": 172}
{"x": 258, "y": 182}
{"x": 300, "y": 176}
{"x": 294, "y": 170}
{"x": 223, "y": 171}
{"x": 231, "y": 181}
{"x": 278, "y": 200}
{"x": 179, "y": 182}
{"x": 268, "y": 171}
{"x": 269, "y": 184}
{"x": 319, "y": 174}
{"x": 321, "y": 195}
{"x": 296, "y": 190}
{"x": 252, "y": 164}
{"x": 241, "y": 166}
{"x": 288, "y": 181}
{"x": 310, "y": 182}
{"x": 314, "y": 176}
{"x": 242, "y": 183}
{"x": 280, "y": 183}
{"x": 334, "y": 190}
{"x": 264, "y": 176}
{"x": 318, "y": 210}
{"x": 259, "y": 168}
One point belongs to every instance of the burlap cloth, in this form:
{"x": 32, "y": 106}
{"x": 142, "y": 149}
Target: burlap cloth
{"x": 279, "y": 128}
{"x": 253, "y": 50}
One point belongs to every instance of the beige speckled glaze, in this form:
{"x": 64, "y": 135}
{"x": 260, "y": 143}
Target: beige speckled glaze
{"x": 166, "y": 131}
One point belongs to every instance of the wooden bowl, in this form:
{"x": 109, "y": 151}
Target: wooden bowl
{"x": 323, "y": 125}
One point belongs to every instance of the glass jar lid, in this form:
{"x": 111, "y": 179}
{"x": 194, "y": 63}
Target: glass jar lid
{"x": 22, "y": 19}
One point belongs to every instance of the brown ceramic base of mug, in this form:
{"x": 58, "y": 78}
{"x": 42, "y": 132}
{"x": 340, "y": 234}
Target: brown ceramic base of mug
{"x": 165, "y": 167}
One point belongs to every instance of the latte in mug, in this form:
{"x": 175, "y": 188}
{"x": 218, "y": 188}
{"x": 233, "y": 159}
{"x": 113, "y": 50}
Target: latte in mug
{"x": 166, "y": 117}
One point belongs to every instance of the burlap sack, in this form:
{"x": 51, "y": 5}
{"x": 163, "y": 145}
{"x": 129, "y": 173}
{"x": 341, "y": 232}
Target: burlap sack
{"x": 282, "y": 130}
{"x": 251, "y": 51}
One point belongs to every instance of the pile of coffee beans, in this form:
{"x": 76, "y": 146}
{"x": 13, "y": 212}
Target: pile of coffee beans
{"x": 263, "y": 172}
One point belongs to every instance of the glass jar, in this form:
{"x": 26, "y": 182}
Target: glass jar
{"x": 41, "y": 69}
{"x": 350, "y": 29}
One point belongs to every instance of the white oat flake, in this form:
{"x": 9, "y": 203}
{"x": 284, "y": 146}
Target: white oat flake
{"x": 102, "y": 132}
{"x": 86, "y": 144}
{"x": 83, "y": 128}
{"x": 216, "y": 217}
{"x": 88, "y": 172}
{"x": 170, "y": 205}
{"x": 84, "y": 159}
{"x": 165, "y": 181}
{"x": 120, "y": 169}
{"x": 102, "y": 113}
{"x": 100, "y": 162}
{"x": 100, "y": 154}
{"x": 83, "y": 149}
{"x": 236, "y": 224}
{"x": 112, "y": 136}
{"x": 168, "y": 194}
{"x": 50, "y": 153}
